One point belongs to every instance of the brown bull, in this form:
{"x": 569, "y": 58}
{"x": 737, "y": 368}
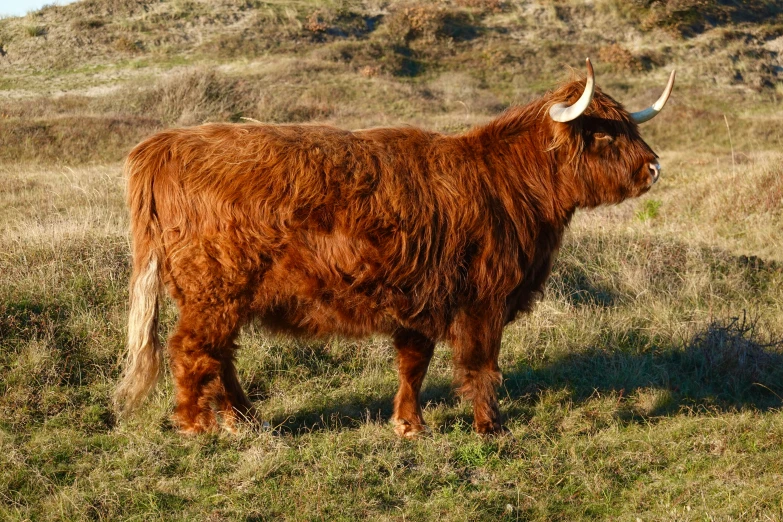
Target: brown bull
{"x": 318, "y": 231}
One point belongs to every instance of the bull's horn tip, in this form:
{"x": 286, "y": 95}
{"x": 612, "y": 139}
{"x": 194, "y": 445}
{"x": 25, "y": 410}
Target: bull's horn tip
{"x": 651, "y": 111}
{"x": 562, "y": 112}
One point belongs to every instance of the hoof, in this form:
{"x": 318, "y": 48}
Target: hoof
{"x": 204, "y": 422}
{"x": 408, "y": 430}
{"x": 253, "y": 426}
{"x": 194, "y": 429}
{"x": 492, "y": 429}
{"x": 211, "y": 420}
{"x": 232, "y": 420}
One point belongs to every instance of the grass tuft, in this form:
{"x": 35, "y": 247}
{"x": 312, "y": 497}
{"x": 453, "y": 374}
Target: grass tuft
{"x": 35, "y": 31}
{"x": 650, "y": 209}
{"x": 732, "y": 356}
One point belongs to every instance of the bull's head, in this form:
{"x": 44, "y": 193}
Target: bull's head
{"x": 599, "y": 141}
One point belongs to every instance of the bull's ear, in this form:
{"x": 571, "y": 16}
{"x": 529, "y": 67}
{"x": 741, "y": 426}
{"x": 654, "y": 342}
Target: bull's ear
{"x": 653, "y": 110}
{"x": 564, "y": 113}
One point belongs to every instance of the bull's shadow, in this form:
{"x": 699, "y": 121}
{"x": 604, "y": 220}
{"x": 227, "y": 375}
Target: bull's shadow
{"x": 724, "y": 367}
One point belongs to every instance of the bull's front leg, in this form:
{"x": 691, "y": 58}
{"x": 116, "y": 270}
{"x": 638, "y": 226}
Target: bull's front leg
{"x": 414, "y": 352}
{"x": 475, "y": 338}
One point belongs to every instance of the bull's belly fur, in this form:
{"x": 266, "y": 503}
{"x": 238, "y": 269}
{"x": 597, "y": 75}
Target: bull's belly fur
{"x": 300, "y": 293}
{"x": 301, "y": 315}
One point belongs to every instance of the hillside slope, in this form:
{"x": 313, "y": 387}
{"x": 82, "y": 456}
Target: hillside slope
{"x": 144, "y": 63}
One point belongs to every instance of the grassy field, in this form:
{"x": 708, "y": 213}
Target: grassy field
{"x": 646, "y": 385}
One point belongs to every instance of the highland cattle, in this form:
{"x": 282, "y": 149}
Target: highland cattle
{"x": 316, "y": 231}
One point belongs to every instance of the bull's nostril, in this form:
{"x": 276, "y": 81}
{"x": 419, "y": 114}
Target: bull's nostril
{"x": 655, "y": 171}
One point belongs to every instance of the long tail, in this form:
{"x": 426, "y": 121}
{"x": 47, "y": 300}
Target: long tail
{"x": 144, "y": 355}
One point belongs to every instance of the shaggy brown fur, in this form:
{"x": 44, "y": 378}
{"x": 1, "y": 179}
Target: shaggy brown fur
{"x": 317, "y": 231}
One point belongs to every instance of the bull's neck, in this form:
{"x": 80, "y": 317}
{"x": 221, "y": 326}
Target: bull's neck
{"x": 525, "y": 175}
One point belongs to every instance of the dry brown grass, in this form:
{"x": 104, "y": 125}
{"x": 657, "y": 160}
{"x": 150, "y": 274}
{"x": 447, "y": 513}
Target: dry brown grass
{"x": 71, "y": 139}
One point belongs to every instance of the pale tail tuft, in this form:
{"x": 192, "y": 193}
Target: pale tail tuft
{"x": 143, "y": 360}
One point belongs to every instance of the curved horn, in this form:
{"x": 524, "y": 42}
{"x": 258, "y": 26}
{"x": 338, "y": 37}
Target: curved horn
{"x": 563, "y": 112}
{"x": 653, "y": 110}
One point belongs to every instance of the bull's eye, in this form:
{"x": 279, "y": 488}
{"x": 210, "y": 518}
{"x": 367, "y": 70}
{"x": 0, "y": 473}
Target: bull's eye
{"x": 601, "y": 142}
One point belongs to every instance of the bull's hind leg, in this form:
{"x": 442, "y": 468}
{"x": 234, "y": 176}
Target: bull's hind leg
{"x": 414, "y": 352}
{"x": 202, "y": 361}
{"x": 475, "y": 339}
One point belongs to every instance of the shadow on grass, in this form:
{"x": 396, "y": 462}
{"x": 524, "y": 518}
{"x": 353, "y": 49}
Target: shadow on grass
{"x": 62, "y": 368}
{"x": 31, "y": 321}
{"x": 724, "y": 367}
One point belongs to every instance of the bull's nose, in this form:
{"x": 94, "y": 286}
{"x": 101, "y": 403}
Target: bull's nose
{"x": 655, "y": 171}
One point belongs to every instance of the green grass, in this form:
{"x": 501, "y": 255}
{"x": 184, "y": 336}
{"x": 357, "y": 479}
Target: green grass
{"x": 645, "y": 385}
{"x": 630, "y": 390}
{"x": 35, "y": 30}
{"x": 649, "y": 209}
